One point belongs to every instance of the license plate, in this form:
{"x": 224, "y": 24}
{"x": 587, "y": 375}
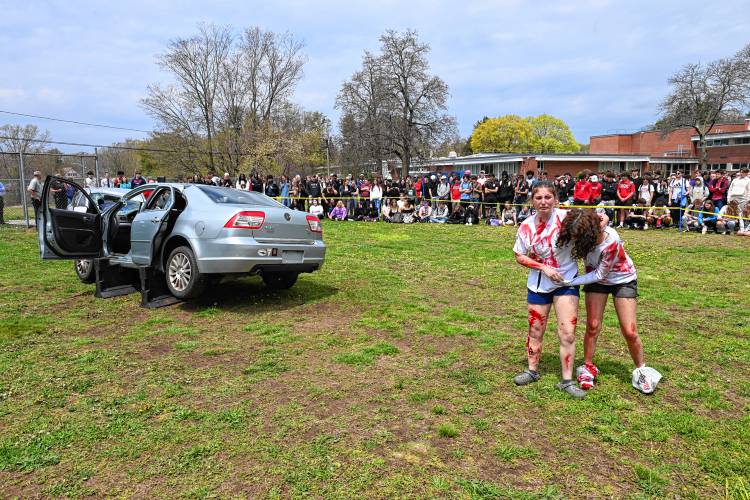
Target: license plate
{"x": 292, "y": 256}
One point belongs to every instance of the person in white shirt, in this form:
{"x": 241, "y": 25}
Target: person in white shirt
{"x": 536, "y": 248}
{"x": 739, "y": 189}
{"x": 106, "y": 181}
{"x": 316, "y": 208}
{"x": 90, "y": 181}
{"x": 609, "y": 271}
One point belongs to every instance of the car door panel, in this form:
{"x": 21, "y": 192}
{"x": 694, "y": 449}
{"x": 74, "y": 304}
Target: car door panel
{"x": 65, "y": 232}
{"x": 146, "y": 226}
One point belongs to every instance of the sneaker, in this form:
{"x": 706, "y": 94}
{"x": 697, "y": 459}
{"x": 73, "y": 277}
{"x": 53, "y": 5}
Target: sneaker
{"x": 645, "y": 226}
{"x": 621, "y": 226}
{"x": 585, "y": 374}
{"x": 704, "y": 230}
{"x": 645, "y": 379}
{"x": 569, "y": 386}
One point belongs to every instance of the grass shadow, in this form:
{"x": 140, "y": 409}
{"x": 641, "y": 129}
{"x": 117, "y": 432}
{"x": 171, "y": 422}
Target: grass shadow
{"x": 550, "y": 363}
{"x": 250, "y": 294}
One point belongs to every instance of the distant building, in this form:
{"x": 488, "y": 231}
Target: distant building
{"x": 728, "y": 147}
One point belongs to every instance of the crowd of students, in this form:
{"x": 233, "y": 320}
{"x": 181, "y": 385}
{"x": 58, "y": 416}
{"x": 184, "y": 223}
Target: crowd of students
{"x": 706, "y": 201}
{"x": 715, "y": 201}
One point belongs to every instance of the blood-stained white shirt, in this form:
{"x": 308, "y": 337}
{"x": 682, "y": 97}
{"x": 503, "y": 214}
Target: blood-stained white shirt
{"x": 608, "y": 263}
{"x": 538, "y": 240}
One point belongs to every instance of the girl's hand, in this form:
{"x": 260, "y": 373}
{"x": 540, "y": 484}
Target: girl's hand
{"x": 553, "y": 274}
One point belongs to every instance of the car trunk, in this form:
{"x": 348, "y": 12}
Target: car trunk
{"x": 283, "y": 226}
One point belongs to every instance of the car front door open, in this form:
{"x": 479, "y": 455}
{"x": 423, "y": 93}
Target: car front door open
{"x": 70, "y": 225}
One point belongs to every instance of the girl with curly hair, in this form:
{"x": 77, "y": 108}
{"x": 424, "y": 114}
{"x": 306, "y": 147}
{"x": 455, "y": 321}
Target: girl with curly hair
{"x": 536, "y": 249}
{"x": 609, "y": 271}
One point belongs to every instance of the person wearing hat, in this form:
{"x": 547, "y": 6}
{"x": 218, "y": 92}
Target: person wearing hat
{"x": 90, "y": 181}
{"x": 35, "y": 191}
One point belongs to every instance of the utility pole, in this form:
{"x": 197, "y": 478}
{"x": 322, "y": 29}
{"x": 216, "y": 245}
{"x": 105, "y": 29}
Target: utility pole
{"x": 23, "y": 187}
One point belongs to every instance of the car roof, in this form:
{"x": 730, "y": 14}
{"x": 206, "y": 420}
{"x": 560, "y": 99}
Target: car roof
{"x": 113, "y": 191}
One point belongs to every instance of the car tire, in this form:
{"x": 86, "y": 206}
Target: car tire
{"x": 280, "y": 281}
{"x": 183, "y": 278}
{"x": 85, "y": 270}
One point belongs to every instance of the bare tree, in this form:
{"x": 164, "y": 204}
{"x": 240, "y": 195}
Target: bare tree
{"x": 23, "y": 139}
{"x": 704, "y": 95}
{"x": 197, "y": 65}
{"x": 396, "y": 103}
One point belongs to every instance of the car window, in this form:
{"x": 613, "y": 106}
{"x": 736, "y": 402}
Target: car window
{"x": 160, "y": 200}
{"x": 237, "y": 197}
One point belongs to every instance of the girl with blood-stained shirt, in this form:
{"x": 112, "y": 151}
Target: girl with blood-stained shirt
{"x": 549, "y": 264}
{"x": 609, "y": 271}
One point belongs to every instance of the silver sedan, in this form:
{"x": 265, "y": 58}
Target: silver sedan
{"x": 186, "y": 233}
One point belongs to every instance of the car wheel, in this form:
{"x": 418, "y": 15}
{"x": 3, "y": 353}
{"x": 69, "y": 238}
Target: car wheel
{"x": 85, "y": 270}
{"x": 280, "y": 281}
{"x": 183, "y": 278}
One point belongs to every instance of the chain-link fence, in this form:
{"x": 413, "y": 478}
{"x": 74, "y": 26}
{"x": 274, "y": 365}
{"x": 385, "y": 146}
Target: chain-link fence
{"x": 17, "y": 170}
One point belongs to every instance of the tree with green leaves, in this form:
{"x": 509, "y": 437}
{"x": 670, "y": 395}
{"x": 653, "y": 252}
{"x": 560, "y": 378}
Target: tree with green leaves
{"x": 505, "y": 134}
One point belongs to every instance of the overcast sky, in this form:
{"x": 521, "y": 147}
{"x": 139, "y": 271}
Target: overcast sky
{"x": 599, "y": 65}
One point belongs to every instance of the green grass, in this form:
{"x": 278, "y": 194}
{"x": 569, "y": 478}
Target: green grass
{"x": 387, "y": 374}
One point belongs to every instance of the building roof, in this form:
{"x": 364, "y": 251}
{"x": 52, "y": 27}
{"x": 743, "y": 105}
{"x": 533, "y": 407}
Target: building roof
{"x": 725, "y": 135}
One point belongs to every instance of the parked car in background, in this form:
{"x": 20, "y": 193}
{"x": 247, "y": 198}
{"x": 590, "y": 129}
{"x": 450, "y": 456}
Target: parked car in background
{"x": 188, "y": 233}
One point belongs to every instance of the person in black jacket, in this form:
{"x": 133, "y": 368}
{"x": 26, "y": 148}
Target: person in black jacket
{"x": 271, "y": 188}
{"x": 609, "y": 194}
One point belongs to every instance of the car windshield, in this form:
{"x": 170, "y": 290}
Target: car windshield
{"x": 237, "y": 197}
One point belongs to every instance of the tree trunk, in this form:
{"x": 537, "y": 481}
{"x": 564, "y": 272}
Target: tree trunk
{"x": 703, "y": 152}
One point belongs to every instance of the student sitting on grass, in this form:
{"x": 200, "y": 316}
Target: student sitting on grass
{"x": 708, "y": 216}
{"x": 338, "y": 212}
{"x": 609, "y": 271}
{"x": 690, "y": 217}
{"x": 440, "y": 215}
{"x": 659, "y": 216}
{"x": 509, "y": 215}
{"x": 636, "y": 218}
{"x": 727, "y": 221}
{"x": 744, "y": 222}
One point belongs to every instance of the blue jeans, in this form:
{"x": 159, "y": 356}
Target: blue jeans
{"x": 376, "y": 203}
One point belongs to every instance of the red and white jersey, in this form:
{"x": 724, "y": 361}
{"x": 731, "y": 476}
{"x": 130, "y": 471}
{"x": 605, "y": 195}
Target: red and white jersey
{"x": 538, "y": 240}
{"x": 608, "y": 263}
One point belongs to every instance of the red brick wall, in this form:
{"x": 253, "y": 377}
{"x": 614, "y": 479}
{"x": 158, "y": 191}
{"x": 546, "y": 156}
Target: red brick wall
{"x": 653, "y": 143}
{"x": 729, "y": 154}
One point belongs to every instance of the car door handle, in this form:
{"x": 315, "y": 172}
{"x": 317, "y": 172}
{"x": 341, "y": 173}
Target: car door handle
{"x": 154, "y": 221}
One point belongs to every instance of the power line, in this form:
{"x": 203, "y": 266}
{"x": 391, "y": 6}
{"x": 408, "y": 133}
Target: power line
{"x": 75, "y": 122}
{"x": 126, "y": 148}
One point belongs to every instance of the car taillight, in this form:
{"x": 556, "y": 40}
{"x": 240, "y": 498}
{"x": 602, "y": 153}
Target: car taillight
{"x": 314, "y": 224}
{"x": 246, "y": 220}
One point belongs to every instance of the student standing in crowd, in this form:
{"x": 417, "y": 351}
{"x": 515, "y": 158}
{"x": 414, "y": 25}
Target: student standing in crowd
{"x": 739, "y": 189}
{"x": 582, "y": 189}
{"x": 521, "y": 190}
{"x": 536, "y": 249}
{"x": 137, "y": 180}
{"x": 609, "y": 271}
{"x": 717, "y": 187}
{"x": 625, "y": 195}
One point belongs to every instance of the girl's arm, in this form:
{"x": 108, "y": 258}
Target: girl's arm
{"x": 602, "y": 270}
{"x": 551, "y": 272}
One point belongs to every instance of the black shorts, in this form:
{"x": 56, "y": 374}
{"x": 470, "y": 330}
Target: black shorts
{"x": 627, "y": 290}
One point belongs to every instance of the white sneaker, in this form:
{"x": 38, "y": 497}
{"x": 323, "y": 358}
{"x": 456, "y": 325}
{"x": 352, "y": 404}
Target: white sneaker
{"x": 645, "y": 379}
{"x": 621, "y": 226}
{"x": 585, "y": 374}
{"x": 645, "y": 226}
{"x": 704, "y": 230}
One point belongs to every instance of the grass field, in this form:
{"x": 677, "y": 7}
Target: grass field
{"x": 386, "y": 374}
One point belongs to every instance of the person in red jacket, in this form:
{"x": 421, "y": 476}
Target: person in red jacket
{"x": 582, "y": 189}
{"x": 625, "y": 196}
{"x": 596, "y": 189}
{"x": 717, "y": 188}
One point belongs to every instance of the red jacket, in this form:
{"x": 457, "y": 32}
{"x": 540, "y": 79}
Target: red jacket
{"x": 596, "y": 191}
{"x": 625, "y": 189}
{"x": 582, "y": 191}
